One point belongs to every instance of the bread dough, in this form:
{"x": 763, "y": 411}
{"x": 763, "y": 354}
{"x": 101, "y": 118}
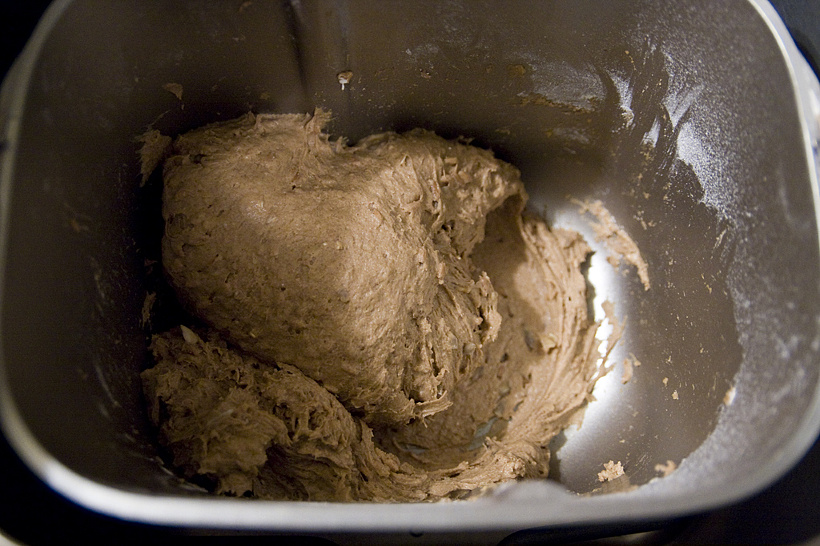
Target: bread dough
{"x": 381, "y": 322}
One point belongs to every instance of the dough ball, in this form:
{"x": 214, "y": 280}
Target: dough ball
{"x": 351, "y": 264}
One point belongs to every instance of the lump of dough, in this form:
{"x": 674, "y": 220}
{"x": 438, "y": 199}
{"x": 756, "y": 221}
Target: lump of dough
{"x": 348, "y": 263}
{"x": 349, "y": 290}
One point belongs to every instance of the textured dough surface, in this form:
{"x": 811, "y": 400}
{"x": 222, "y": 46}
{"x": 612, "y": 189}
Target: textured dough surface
{"x": 381, "y": 320}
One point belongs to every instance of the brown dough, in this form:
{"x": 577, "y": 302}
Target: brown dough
{"x": 384, "y": 322}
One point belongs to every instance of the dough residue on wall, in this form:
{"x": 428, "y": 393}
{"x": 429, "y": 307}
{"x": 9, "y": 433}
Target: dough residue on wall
{"x": 620, "y": 245}
{"x": 611, "y": 471}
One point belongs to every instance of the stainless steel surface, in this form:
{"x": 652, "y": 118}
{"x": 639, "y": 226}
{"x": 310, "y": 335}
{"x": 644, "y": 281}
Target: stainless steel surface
{"x": 574, "y": 96}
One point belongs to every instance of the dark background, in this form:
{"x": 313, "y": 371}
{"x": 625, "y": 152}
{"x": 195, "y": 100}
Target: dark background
{"x": 788, "y": 512}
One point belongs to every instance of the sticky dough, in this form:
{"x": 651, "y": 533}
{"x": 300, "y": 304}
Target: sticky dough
{"x": 379, "y": 321}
